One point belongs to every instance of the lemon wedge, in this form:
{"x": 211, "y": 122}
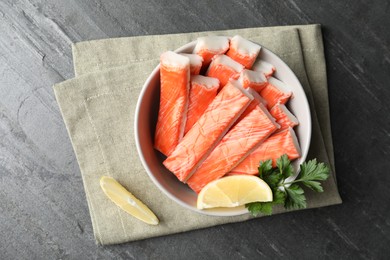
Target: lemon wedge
{"x": 126, "y": 201}
{"x": 233, "y": 191}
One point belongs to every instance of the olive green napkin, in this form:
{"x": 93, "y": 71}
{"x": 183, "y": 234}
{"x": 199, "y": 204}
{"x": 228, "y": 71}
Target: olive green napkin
{"x": 98, "y": 110}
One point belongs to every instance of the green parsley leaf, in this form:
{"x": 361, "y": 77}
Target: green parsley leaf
{"x": 265, "y": 167}
{"x": 270, "y": 176}
{"x": 313, "y": 171}
{"x": 279, "y": 197}
{"x": 284, "y": 166}
{"x": 314, "y": 185}
{"x": 295, "y": 197}
{"x": 273, "y": 179}
{"x": 255, "y": 208}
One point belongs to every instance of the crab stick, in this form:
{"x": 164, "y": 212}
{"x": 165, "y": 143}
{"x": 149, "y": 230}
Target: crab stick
{"x": 262, "y": 66}
{"x": 202, "y": 92}
{"x": 283, "y": 116}
{"x": 243, "y": 51}
{"x": 224, "y": 68}
{"x": 275, "y": 92}
{"x": 174, "y": 92}
{"x": 253, "y": 79}
{"x": 282, "y": 142}
{"x": 209, "y": 46}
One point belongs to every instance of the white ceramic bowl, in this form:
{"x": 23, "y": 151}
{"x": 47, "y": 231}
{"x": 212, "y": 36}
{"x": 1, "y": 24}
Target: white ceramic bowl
{"x": 145, "y": 122}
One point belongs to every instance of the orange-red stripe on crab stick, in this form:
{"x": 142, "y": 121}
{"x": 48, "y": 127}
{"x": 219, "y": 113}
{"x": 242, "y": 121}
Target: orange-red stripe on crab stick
{"x": 208, "y": 131}
{"x": 196, "y": 62}
{"x": 243, "y": 51}
{"x": 253, "y": 79}
{"x": 283, "y": 116}
{"x": 239, "y": 142}
{"x": 174, "y": 96}
{"x": 276, "y": 92}
{"x": 224, "y": 68}
{"x": 209, "y": 46}
{"x": 265, "y": 67}
{"x": 202, "y": 92}
{"x": 282, "y": 142}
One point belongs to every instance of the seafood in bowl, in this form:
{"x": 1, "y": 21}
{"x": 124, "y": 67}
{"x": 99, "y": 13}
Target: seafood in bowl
{"x": 197, "y": 122}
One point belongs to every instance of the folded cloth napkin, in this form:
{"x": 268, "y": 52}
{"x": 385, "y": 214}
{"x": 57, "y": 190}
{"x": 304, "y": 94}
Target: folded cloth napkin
{"x": 98, "y": 109}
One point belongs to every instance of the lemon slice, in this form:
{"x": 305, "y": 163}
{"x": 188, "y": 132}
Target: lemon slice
{"x": 233, "y": 191}
{"x": 126, "y": 201}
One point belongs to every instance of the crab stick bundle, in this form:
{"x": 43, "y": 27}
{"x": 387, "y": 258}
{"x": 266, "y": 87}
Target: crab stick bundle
{"x": 243, "y": 51}
{"x": 283, "y": 116}
{"x": 224, "y": 68}
{"x": 240, "y": 141}
{"x": 195, "y": 63}
{"x": 208, "y": 131}
{"x": 174, "y": 92}
{"x": 282, "y": 142}
{"x": 275, "y": 92}
{"x": 253, "y": 79}
{"x": 202, "y": 92}
{"x": 209, "y": 46}
{"x": 262, "y": 66}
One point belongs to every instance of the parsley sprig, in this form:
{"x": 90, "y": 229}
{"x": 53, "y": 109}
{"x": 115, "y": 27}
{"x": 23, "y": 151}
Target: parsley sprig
{"x": 290, "y": 194}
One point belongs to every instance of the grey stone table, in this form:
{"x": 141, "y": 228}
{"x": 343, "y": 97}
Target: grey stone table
{"x": 43, "y": 210}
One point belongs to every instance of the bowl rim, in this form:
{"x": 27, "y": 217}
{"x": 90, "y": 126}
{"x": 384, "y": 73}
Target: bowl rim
{"x": 239, "y": 210}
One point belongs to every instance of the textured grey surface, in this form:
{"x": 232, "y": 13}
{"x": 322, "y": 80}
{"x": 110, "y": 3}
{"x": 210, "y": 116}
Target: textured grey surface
{"x": 43, "y": 211}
